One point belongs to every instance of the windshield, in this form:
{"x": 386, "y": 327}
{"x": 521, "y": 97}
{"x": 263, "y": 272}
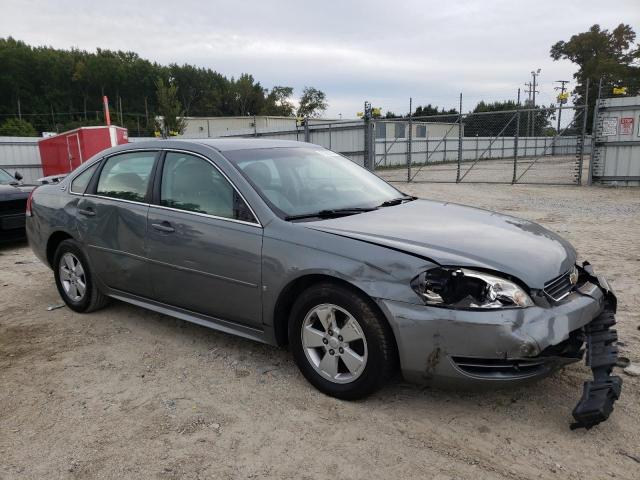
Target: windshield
{"x": 6, "y": 178}
{"x": 300, "y": 181}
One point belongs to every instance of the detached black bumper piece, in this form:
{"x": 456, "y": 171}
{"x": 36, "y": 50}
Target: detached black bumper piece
{"x": 599, "y": 395}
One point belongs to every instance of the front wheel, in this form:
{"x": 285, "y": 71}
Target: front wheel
{"x": 73, "y": 278}
{"x": 341, "y": 344}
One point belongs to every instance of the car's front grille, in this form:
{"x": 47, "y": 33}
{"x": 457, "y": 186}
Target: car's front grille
{"x": 500, "y": 368}
{"x": 559, "y": 287}
{"x": 10, "y": 207}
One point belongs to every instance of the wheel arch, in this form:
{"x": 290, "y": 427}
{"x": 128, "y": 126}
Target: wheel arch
{"x": 55, "y": 239}
{"x": 291, "y": 291}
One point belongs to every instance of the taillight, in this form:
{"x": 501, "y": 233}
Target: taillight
{"x": 29, "y": 200}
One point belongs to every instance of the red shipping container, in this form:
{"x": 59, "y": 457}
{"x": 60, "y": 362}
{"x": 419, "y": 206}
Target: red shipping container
{"x": 66, "y": 151}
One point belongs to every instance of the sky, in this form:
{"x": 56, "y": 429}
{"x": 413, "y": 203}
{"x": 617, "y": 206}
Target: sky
{"x": 381, "y": 51}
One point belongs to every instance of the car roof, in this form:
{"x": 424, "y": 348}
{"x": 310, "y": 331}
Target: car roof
{"x": 225, "y": 144}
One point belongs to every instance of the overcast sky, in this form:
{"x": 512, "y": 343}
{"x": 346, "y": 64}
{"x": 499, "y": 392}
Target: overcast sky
{"x": 382, "y": 51}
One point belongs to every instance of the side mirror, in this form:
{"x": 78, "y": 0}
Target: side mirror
{"x": 17, "y": 176}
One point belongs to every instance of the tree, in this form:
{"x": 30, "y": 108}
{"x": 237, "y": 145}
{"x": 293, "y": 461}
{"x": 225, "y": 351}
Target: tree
{"x": 15, "y": 127}
{"x": 59, "y": 88}
{"x": 278, "y": 102}
{"x": 489, "y": 120}
{"x": 312, "y": 103}
{"x": 170, "y": 109}
{"x": 247, "y": 95}
{"x": 429, "y": 110}
{"x": 599, "y": 53}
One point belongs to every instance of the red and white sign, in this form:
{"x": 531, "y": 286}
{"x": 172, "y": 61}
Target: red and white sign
{"x": 626, "y": 126}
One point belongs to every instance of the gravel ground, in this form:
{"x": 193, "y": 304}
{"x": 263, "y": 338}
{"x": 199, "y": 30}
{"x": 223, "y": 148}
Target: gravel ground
{"x": 127, "y": 393}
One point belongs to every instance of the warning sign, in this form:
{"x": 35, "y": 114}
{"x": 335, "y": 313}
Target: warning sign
{"x": 609, "y": 126}
{"x": 626, "y": 126}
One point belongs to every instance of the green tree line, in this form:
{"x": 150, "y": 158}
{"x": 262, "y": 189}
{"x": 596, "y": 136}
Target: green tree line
{"x": 55, "y": 89}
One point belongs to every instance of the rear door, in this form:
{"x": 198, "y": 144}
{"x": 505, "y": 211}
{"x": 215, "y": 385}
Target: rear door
{"x": 112, "y": 220}
{"x": 204, "y": 243}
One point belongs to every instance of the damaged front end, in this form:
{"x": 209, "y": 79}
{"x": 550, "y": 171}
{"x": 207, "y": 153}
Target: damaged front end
{"x": 599, "y": 395}
{"x": 478, "y": 330}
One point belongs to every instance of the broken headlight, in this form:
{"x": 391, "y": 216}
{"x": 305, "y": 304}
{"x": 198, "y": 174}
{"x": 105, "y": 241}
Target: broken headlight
{"x": 463, "y": 288}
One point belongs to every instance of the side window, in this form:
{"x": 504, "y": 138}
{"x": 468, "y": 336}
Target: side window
{"x": 381, "y": 130}
{"x": 191, "y": 183}
{"x": 79, "y": 184}
{"x": 399, "y": 130}
{"x": 421, "y": 131}
{"x": 126, "y": 176}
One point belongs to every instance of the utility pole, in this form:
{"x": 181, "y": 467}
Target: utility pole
{"x": 528, "y": 104}
{"x": 410, "y": 140}
{"x": 534, "y": 74}
{"x": 561, "y": 99}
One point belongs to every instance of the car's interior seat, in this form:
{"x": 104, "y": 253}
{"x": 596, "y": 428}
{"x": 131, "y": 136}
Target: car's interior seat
{"x": 126, "y": 182}
{"x": 195, "y": 188}
{"x": 259, "y": 173}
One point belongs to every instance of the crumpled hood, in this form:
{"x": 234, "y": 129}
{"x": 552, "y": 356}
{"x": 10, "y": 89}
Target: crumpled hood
{"x": 457, "y": 235}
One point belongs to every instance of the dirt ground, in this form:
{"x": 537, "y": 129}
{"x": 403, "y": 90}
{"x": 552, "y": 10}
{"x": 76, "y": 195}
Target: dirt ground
{"x": 127, "y": 393}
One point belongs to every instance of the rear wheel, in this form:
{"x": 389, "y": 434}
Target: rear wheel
{"x": 340, "y": 343}
{"x": 73, "y": 279}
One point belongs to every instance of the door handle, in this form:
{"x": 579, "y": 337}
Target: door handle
{"x": 163, "y": 227}
{"x": 87, "y": 212}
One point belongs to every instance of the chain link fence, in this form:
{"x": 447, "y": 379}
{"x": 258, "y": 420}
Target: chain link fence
{"x": 509, "y": 146}
{"x": 517, "y": 146}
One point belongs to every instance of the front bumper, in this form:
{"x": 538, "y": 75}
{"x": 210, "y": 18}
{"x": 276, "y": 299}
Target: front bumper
{"x": 456, "y": 348}
{"x": 437, "y": 345}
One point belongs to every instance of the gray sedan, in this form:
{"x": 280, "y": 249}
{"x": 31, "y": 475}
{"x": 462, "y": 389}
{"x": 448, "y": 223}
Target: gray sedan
{"x": 291, "y": 244}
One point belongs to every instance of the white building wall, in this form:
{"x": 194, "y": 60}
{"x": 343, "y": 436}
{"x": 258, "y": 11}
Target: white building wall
{"x": 21, "y": 154}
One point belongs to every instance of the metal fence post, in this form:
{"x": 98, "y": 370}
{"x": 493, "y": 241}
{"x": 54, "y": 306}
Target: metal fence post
{"x": 426, "y": 152}
{"x": 372, "y": 147}
{"x": 584, "y": 131}
{"x": 594, "y": 128}
{"x": 385, "y": 144}
{"x": 477, "y": 140}
{"x": 307, "y": 134}
{"x": 515, "y": 148}
{"x": 409, "y": 140}
{"x": 369, "y": 155}
{"x": 459, "y": 142}
{"x": 444, "y": 150}
{"x": 515, "y": 141}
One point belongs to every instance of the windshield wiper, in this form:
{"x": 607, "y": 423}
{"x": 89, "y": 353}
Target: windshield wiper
{"x": 397, "y": 201}
{"x": 336, "y": 212}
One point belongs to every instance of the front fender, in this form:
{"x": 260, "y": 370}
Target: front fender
{"x": 381, "y": 273}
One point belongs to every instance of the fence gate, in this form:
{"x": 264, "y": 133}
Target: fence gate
{"x": 517, "y": 146}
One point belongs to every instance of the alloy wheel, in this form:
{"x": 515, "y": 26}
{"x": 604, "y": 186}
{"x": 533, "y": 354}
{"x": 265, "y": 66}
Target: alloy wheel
{"x": 334, "y": 343}
{"x": 72, "y": 277}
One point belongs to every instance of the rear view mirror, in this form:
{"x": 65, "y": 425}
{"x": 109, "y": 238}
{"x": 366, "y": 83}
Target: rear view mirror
{"x": 17, "y": 176}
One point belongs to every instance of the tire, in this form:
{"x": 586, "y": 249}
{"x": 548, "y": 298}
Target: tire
{"x": 87, "y": 297}
{"x": 362, "y": 365}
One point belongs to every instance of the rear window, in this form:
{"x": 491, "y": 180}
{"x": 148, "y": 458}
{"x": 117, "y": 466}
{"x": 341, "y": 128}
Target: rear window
{"x": 126, "y": 176}
{"x": 80, "y": 183}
